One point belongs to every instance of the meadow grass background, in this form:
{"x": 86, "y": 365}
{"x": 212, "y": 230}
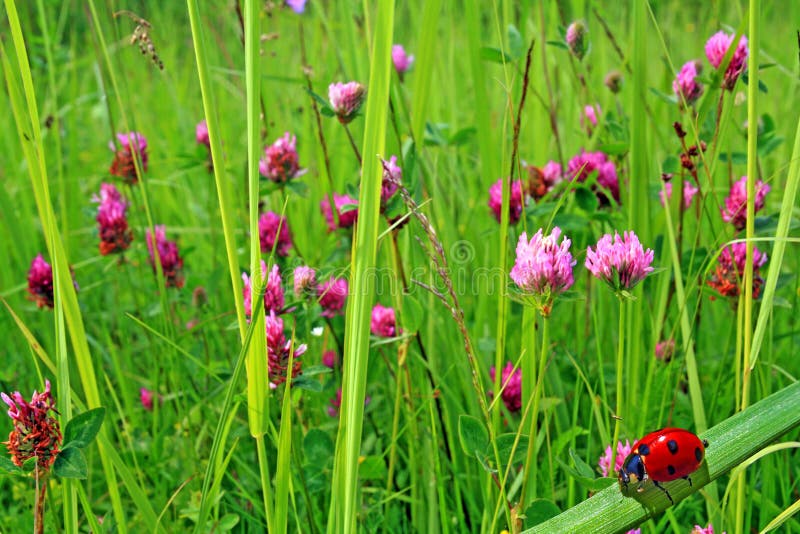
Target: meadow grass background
{"x": 452, "y": 121}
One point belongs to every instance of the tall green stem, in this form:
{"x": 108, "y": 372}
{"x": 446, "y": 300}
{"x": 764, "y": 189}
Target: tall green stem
{"x": 530, "y": 477}
{"x": 752, "y": 174}
{"x": 623, "y": 305}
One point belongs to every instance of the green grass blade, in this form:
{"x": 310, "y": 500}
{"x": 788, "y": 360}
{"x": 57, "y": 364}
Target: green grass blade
{"x": 362, "y": 283}
{"x": 731, "y": 443}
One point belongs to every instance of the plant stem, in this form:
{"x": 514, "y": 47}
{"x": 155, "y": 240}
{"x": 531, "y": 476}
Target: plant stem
{"x": 623, "y": 304}
{"x": 38, "y": 517}
{"x": 530, "y": 478}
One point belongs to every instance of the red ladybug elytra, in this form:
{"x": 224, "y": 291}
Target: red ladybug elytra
{"x": 662, "y": 456}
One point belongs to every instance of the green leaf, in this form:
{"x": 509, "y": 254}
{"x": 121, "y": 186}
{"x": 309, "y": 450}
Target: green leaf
{"x": 71, "y": 463}
{"x": 671, "y": 164}
{"x": 515, "y": 45}
{"x": 473, "y": 435}
{"x": 582, "y": 467}
{"x": 539, "y": 511}
{"x": 7, "y": 466}
{"x": 505, "y": 443}
{"x": 670, "y": 99}
{"x": 413, "y": 314}
{"x": 298, "y": 188}
{"x": 318, "y": 447}
{"x": 323, "y": 104}
{"x": 226, "y": 523}
{"x": 306, "y": 383}
{"x": 315, "y": 370}
{"x": 372, "y": 468}
{"x": 495, "y": 55}
{"x": 586, "y": 199}
{"x": 558, "y": 44}
{"x": 462, "y": 136}
{"x": 614, "y": 149}
{"x": 82, "y": 429}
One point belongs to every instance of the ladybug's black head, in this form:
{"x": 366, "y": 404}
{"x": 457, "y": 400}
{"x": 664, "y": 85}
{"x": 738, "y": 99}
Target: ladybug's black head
{"x": 632, "y": 471}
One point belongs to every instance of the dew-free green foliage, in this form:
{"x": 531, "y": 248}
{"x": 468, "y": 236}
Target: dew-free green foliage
{"x": 434, "y": 448}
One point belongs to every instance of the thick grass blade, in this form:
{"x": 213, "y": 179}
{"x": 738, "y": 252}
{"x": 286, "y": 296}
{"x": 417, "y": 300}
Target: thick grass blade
{"x": 344, "y": 498}
{"x": 731, "y": 442}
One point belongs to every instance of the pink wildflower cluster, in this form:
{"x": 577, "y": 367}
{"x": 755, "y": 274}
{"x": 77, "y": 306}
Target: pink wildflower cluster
{"x": 707, "y": 530}
{"x": 729, "y": 273}
{"x": 665, "y": 350}
{"x": 589, "y": 117}
{"x": 279, "y": 349}
{"x": 516, "y": 202}
{"x": 543, "y": 268}
{"x": 346, "y": 211}
{"x": 274, "y": 233}
{"x": 689, "y": 191}
{"x": 273, "y": 292}
{"x": 511, "y": 384}
{"x": 621, "y": 263}
{"x": 115, "y": 235}
{"x": 146, "y": 398}
{"x": 735, "y": 210}
{"x": 392, "y": 176}
{"x": 132, "y": 145}
{"x": 581, "y": 166}
{"x": 201, "y": 133}
{"x": 305, "y": 280}
{"x": 383, "y": 323}
{"x": 716, "y": 48}
{"x": 402, "y": 60}
{"x": 298, "y": 6}
{"x": 332, "y": 295}
{"x": 685, "y": 86}
{"x": 576, "y": 39}
{"x": 329, "y": 359}
{"x": 40, "y": 282}
{"x": 346, "y": 99}
{"x": 281, "y": 162}
{"x": 36, "y": 432}
{"x": 623, "y": 450}
{"x": 170, "y": 260}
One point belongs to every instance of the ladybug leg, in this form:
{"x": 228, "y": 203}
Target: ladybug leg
{"x": 687, "y": 479}
{"x": 662, "y": 488}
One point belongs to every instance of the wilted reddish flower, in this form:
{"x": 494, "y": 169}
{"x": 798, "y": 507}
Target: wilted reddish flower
{"x": 40, "y": 282}
{"x": 665, "y": 350}
{"x": 131, "y": 144}
{"x": 585, "y": 163}
{"x": 685, "y": 86}
{"x": 613, "y": 81}
{"x": 115, "y": 235}
{"x": 383, "y": 323}
{"x": 621, "y": 263}
{"x": 542, "y": 181}
{"x": 346, "y": 99}
{"x": 689, "y": 191}
{"x": 281, "y": 162}
{"x": 511, "y": 386}
{"x": 171, "y": 262}
{"x": 402, "y": 61}
{"x": 543, "y": 268}
{"x": 729, "y": 273}
{"x": 273, "y": 293}
{"x": 346, "y": 211}
{"x": 716, "y": 48}
{"x": 332, "y": 296}
{"x": 272, "y": 227}
{"x": 36, "y": 432}
{"x": 605, "y": 460}
{"x": 516, "y": 202}
{"x": 278, "y": 350}
{"x": 735, "y": 210}
{"x": 576, "y": 38}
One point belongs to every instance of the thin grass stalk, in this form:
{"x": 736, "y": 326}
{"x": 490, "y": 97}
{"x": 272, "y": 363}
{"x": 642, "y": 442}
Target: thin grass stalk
{"x": 423, "y": 68}
{"x": 620, "y": 367}
{"x": 27, "y": 120}
{"x": 752, "y": 174}
{"x": 344, "y": 499}
{"x": 529, "y": 375}
{"x": 283, "y": 473}
{"x": 217, "y": 157}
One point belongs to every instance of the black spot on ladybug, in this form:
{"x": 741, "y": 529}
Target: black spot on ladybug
{"x": 672, "y": 445}
{"x": 644, "y": 450}
{"x": 671, "y": 469}
{"x": 698, "y": 454}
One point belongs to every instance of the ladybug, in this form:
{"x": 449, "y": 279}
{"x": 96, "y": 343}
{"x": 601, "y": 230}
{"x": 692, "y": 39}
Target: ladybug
{"x": 662, "y": 456}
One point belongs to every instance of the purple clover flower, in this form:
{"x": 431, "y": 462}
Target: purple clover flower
{"x": 685, "y": 86}
{"x": 543, "y": 268}
{"x": 621, "y": 263}
{"x": 281, "y": 161}
{"x": 516, "y": 202}
{"x": 270, "y": 237}
{"x": 716, "y": 48}
{"x": 605, "y": 460}
{"x": 346, "y": 99}
{"x": 735, "y": 210}
{"x": 511, "y": 384}
{"x": 383, "y": 323}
